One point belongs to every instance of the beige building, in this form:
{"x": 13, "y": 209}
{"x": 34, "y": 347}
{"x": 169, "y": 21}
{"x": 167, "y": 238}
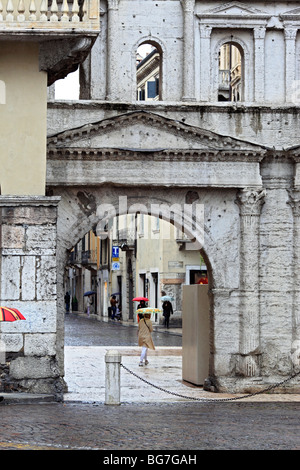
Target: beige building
{"x": 155, "y": 260}
{"x": 39, "y": 44}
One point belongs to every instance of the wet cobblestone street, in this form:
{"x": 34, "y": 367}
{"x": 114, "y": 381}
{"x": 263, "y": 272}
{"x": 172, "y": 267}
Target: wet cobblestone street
{"x": 82, "y": 331}
{"x": 181, "y": 426}
{"x": 163, "y": 425}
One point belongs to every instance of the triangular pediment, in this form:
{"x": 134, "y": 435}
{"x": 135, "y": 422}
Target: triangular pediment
{"x": 233, "y": 9}
{"x": 144, "y": 131}
{"x": 291, "y": 14}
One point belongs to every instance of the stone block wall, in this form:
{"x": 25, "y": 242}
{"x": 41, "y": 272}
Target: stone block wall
{"x": 29, "y": 283}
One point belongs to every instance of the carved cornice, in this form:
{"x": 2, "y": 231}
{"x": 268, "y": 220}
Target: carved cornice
{"x": 294, "y": 153}
{"x": 291, "y": 15}
{"x": 234, "y": 11}
{"x": 18, "y": 201}
{"x": 60, "y": 57}
{"x": 119, "y": 154}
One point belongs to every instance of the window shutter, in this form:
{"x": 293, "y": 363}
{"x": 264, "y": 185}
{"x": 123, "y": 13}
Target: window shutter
{"x": 151, "y": 88}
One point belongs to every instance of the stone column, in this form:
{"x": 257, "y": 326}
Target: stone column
{"x": 290, "y": 62}
{"x": 250, "y": 202}
{"x": 188, "y": 50}
{"x": 113, "y": 61}
{"x": 295, "y": 204}
{"x": 205, "y": 58}
{"x": 259, "y": 70}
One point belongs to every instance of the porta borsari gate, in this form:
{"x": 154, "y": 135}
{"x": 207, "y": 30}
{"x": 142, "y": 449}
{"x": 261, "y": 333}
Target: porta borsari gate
{"x": 116, "y": 158}
{"x": 101, "y": 164}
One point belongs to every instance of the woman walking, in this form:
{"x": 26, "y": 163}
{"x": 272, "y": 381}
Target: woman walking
{"x": 144, "y": 336}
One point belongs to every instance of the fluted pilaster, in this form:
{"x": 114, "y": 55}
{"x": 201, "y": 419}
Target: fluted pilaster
{"x": 250, "y": 202}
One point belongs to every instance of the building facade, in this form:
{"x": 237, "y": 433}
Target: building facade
{"x": 109, "y": 154}
{"x": 154, "y": 260}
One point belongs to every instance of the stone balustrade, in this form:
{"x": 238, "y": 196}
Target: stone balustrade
{"x": 22, "y": 15}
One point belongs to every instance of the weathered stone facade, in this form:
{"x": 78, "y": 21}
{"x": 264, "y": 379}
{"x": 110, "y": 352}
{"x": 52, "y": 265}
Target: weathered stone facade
{"x": 29, "y": 283}
{"x": 246, "y": 233}
{"x": 240, "y": 159}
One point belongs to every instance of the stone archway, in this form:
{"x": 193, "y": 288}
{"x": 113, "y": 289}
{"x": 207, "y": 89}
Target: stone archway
{"x": 78, "y": 211}
{"x": 97, "y": 164}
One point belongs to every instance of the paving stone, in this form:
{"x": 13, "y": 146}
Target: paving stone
{"x": 147, "y": 420}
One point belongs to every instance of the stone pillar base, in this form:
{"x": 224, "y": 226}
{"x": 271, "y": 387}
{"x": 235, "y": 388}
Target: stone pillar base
{"x": 248, "y": 385}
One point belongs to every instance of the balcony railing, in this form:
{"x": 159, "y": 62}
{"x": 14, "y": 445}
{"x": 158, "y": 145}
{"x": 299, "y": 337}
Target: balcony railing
{"x": 31, "y": 15}
{"x": 126, "y": 236}
{"x": 89, "y": 257}
{"x": 83, "y": 257}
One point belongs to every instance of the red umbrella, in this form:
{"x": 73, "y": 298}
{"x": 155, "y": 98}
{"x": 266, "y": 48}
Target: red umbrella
{"x": 10, "y": 314}
{"x": 137, "y": 299}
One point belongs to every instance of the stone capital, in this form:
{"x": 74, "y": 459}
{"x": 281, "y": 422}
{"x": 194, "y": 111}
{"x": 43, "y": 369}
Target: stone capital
{"x": 205, "y": 31}
{"x": 188, "y": 5}
{"x": 113, "y": 4}
{"x": 290, "y": 33}
{"x": 259, "y": 32}
{"x": 294, "y": 202}
{"x": 250, "y": 201}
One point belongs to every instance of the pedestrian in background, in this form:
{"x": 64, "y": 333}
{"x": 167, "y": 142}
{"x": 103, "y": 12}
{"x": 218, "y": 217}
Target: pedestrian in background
{"x": 113, "y": 304}
{"x": 89, "y": 305}
{"x": 67, "y": 301}
{"x": 167, "y": 312}
{"x": 142, "y": 304}
{"x": 145, "y": 340}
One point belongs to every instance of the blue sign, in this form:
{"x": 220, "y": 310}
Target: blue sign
{"x": 115, "y": 252}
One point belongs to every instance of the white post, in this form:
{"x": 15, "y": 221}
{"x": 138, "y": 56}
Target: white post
{"x": 112, "y": 377}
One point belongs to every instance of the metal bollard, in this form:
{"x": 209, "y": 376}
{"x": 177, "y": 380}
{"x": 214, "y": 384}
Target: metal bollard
{"x": 112, "y": 377}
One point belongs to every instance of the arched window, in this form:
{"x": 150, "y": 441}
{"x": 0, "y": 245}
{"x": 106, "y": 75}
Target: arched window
{"x": 230, "y": 72}
{"x": 148, "y": 72}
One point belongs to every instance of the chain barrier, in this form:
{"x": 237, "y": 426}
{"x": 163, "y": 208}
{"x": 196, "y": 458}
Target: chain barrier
{"x": 270, "y": 387}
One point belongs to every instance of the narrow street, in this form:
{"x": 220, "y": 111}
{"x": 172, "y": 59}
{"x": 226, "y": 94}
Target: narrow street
{"x": 85, "y": 361}
{"x": 83, "y": 331}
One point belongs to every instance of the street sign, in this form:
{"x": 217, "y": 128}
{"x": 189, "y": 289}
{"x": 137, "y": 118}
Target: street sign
{"x": 115, "y": 253}
{"x": 115, "y": 266}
